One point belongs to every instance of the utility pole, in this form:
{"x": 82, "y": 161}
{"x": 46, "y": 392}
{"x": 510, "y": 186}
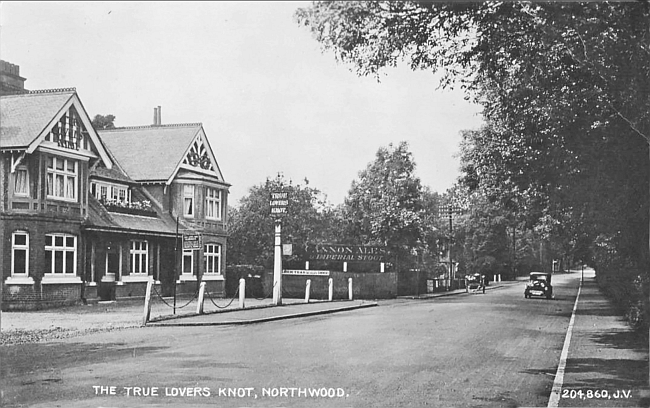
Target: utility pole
{"x": 449, "y": 211}
{"x": 514, "y": 252}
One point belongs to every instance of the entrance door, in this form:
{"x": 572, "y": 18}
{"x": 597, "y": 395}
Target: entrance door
{"x": 110, "y": 265}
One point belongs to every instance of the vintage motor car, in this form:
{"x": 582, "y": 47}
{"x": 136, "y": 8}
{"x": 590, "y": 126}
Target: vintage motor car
{"x": 539, "y": 285}
{"x": 475, "y": 283}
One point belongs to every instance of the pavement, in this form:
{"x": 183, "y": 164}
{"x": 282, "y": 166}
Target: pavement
{"x": 607, "y": 362}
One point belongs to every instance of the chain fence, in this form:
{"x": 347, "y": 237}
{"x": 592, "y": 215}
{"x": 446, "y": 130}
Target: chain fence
{"x": 160, "y": 305}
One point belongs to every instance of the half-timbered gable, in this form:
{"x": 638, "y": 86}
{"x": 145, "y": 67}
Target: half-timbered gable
{"x": 47, "y": 145}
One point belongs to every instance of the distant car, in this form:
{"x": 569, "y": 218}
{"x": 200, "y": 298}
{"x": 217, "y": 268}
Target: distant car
{"x": 539, "y": 285}
{"x": 475, "y": 283}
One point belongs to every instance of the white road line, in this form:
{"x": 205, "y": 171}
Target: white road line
{"x": 554, "y": 399}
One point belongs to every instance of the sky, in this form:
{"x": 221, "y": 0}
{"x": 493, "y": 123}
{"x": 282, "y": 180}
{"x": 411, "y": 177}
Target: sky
{"x": 270, "y": 100}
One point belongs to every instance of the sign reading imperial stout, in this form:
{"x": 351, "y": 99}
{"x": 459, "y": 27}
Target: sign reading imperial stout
{"x": 346, "y": 253}
{"x": 279, "y": 202}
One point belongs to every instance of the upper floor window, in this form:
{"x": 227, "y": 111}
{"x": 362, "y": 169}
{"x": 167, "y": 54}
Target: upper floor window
{"x": 105, "y": 191}
{"x": 60, "y": 254}
{"x": 139, "y": 257}
{"x": 188, "y": 200}
{"x": 21, "y": 182}
{"x": 212, "y": 203}
{"x": 19, "y": 253}
{"x": 62, "y": 178}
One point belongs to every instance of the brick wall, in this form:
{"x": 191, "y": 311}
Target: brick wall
{"x": 364, "y": 285}
{"x": 38, "y": 296}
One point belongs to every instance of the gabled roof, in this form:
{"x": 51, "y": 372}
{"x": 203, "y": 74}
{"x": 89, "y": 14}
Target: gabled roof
{"x": 23, "y": 117}
{"x": 156, "y": 153}
{"x": 27, "y": 118}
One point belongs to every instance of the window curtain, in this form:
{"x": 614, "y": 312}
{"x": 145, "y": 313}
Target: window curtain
{"x": 20, "y": 187}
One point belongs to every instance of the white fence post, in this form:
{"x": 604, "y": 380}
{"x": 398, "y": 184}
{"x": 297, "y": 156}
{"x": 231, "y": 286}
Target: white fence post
{"x": 147, "y": 303}
{"x": 330, "y": 282}
{"x": 350, "y": 288}
{"x": 199, "y": 305}
{"x": 242, "y": 292}
{"x": 307, "y": 290}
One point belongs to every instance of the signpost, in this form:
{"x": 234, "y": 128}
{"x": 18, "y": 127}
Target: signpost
{"x": 191, "y": 241}
{"x": 278, "y": 203}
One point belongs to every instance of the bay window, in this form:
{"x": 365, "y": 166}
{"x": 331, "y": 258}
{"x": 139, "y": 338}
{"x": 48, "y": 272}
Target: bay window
{"x": 188, "y": 200}
{"x": 212, "y": 203}
{"x": 21, "y": 183}
{"x": 62, "y": 178}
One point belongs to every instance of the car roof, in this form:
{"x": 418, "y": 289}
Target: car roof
{"x": 539, "y": 273}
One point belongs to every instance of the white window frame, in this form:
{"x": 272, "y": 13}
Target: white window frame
{"x": 213, "y": 203}
{"x": 118, "y": 193}
{"x": 22, "y": 169}
{"x": 107, "y": 191}
{"x": 190, "y": 253}
{"x": 54, "y": 248}
{"x": 66, "y": 175}
{"x": 213, "y": 252}
{"x": 188, "y": 194}
{"x": 19, "y": 247}
{"x": 142, "y": 255}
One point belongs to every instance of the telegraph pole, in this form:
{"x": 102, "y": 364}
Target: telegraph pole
{"x": 449, "y": 211}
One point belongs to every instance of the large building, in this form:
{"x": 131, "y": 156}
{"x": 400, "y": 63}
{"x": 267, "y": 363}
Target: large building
{"x": 88, "y": 215}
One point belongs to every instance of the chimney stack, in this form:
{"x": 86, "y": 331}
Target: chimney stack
{"x": 157, "y": 118}
{"x": 10, "y": 80}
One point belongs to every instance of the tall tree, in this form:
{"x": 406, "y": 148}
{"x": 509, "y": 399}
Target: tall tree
{"x": 565, "y": 90}
{"x": 384, "y": 205}
{"x": 310, "y": 219}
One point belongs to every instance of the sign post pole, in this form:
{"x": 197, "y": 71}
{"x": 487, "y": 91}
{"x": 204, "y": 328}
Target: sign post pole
{"x": 277, "y": 264}
{"x": 279, "y": 201}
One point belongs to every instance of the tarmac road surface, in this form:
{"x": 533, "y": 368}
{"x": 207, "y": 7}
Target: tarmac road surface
{"x": 495, "y": 349}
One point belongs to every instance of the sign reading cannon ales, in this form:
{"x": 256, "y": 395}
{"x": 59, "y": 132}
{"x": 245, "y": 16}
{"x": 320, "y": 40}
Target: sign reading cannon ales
{"x": 346, "y": 253}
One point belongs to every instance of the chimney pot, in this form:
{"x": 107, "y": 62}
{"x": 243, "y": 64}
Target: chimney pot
{"x": 155, "y": 116}
{"x": 159, "y": 115}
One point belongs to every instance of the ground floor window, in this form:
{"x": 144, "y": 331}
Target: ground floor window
{"x": 139, "y": 257}
{"x": 61, "y": 254}
{"x": 188, "y": 262}
{"x": 19, "y": 253}
{"x": 212, "y": 257}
